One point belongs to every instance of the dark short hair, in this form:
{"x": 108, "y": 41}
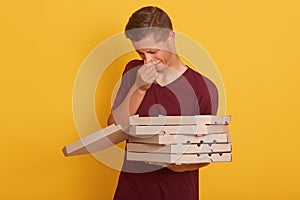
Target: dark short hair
{"x": 148, "y": 21}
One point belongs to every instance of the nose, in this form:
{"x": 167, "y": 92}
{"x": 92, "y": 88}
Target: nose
{"x": 148, "y": 58}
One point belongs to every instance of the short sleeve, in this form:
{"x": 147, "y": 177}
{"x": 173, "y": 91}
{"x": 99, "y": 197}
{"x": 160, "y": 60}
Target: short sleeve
{"x": 128, "y": 79}
{"x": 206, "y": 91}
{"x": 212, "y": 98}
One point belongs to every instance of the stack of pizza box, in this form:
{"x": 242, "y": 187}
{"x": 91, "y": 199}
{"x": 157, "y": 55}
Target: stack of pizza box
{"x": 179, "y": 139}
{"x": 163, "y": 139}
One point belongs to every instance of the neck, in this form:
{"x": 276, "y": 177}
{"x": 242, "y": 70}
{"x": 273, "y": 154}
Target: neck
{"x": 176, "y": 64}
{"x": 174, "y": 69}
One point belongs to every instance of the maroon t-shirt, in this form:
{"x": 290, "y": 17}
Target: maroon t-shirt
{"x": 190, "y": 94}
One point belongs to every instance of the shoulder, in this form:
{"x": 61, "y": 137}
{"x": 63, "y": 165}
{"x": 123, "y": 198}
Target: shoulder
{"x": 197, "y": 78}
{"x": 205, "y": 90}
{"x": 129, "y": 73}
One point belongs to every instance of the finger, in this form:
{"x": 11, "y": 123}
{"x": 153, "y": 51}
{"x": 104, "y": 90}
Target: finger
{"x": 149, "y": 66}
{"x": 148, "y": 76}
{"x": 158, "y": 164}
{"x": 150, "y": 73}
{"x": 147, "y": 69}
{"x": 150, "y": 79}
{"x": 145, "y": 66}
{"x": 153, "y": 77}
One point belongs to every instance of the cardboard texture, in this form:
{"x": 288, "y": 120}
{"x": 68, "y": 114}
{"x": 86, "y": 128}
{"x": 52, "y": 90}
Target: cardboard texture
{"x": 181, "y": 130}
{"x": 175, "y": 139}
{"x": 178, "y": 148}
{"x": 179, "y": 120}
{"x": 97, "y": 141}
{"x": 164, "y": 139}
{"x": 179, "y": 139}
{"x": 179, "y": 158}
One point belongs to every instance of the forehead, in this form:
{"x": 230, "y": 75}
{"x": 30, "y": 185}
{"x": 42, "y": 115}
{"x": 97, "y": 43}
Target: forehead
{"x": 149, "y": 43}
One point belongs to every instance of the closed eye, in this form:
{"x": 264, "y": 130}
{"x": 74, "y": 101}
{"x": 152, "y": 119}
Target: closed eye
{"x": 153, "y": 51}
{"x": 150, "y": 52}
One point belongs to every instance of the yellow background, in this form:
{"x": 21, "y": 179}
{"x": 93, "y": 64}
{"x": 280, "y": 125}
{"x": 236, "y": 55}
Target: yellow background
{"x": 255, "y": 45}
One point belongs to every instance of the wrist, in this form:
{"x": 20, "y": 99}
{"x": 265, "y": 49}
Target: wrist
{"x": 140, "y": 89}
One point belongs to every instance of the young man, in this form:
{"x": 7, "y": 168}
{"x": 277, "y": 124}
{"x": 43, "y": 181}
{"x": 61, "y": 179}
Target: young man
{"x": 159, "y": 84}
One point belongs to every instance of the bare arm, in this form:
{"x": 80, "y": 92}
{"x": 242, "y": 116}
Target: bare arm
{"x": 186, "y": 167}
{"x": 144, "y": 78}
{"x": 128, "y": 107}
{"x": 182, "y": 167}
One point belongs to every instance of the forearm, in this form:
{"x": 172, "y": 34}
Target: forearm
{"x": 186, "y": 167}
{"x": 128, "y": 107}
{"x": 144, "y": 78}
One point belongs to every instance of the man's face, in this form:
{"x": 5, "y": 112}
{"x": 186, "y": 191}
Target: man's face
{"x": 152, "y": 51}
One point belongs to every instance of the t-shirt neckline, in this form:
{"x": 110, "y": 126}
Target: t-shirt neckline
{"x": 174, "y": 81}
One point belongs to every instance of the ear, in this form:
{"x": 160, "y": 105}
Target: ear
{"x": 171, "y": 38}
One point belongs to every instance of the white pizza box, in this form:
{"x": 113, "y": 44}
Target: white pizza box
{"x": 179, "y": 158}
{"x": 178, "y": 139}
{"x": 181, "y": 129}
{"x": 97, "y": 141}
{"x": 178, "y": 148}
{"x": 179, "y": 120}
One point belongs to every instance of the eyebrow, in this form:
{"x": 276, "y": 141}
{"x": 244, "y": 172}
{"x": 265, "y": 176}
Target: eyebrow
{"x": 147, "y": 51}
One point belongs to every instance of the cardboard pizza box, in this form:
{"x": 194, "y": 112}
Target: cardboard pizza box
{"x": 189, "y": 139}
{"x": 97, "y": 141}
{"x": 178, "y": 129}
{"x": 179, "y": 158}
{"x": 178, "y": 148}
{"x": 179, "y": 120}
